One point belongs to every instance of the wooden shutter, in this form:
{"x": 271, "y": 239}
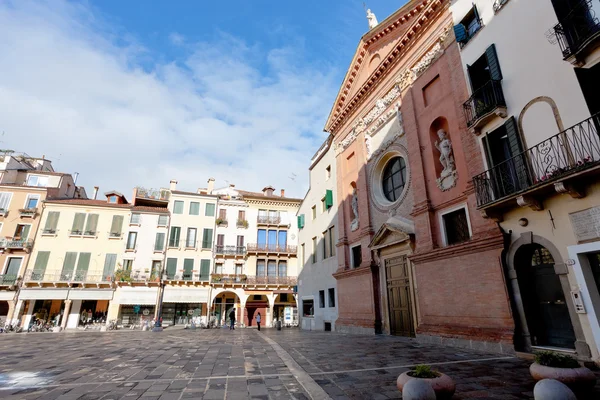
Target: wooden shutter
{"x": 204, "y": 269}
{"x": 5, "y": 200}
{"x": 25, "y": 232}
{"x": 220, "y": 240}
{"x": 171, "y": 267}
{"x": 328, "y": 199}
{"x": 223, "y": 213}
{"x": 78, "y": 221}
{"x": 178, "y": 207}
{"x": 300, "y": 221}
{"x": 493, "y": 63}
{"x": 241, "y": 215}
{"x": 116, "y": 226}
{"x": 188, "y": 266}
{"x": 207, "y": 238}
{"x": 240, "y": 241}
{"x": 210, "y": 210}
{"x": 174, "y": 237}
{"x": 69, "y": 265}
{"x": 51, "y": 222}
{"x": 516, "y": 151}
{"x": 109, "y": 266}
{"x": 159, "y": 243}
{"x": 82, "y": 265}
{"x": 92, "y": 224}
{"x": 41, "y": 262}
{"x": 460, "y": 32}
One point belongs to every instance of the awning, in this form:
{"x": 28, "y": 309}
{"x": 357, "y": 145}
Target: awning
{"x": 91, "y": 294}
{"x": 185, "y": 295}
{"x": 43, "y": 294}
{"x": 138, "y": 295}
{"x": 7, "y": 296}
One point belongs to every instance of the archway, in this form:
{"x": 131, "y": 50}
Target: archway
{"x": 222, "y": 303}
{"x": 4, "y": 310}
{"x": 543, "y": 298}
{"x": 257, "y": 303}
{"x": 285, "y": 309}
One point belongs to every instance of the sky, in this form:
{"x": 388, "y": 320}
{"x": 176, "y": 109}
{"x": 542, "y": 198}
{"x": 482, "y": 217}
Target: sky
{"x": 136, "y": 93}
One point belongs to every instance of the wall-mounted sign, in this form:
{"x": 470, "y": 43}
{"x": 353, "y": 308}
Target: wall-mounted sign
{"x": 586, "y": 224}
{"x": 578, "y": 302}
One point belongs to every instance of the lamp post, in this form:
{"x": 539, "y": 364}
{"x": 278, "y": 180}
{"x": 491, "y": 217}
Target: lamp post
{"x": 161, "y": 291}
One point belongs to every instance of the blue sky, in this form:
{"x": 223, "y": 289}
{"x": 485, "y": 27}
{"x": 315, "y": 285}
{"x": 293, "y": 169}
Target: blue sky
{"x": 136, "y": 92}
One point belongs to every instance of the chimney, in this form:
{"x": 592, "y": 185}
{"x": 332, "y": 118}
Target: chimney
{"x": 231, "y": 185}
{"x": 95, "y": 192}
{"x": 211, "y": 185}
{"x": 282, "y": 192}
{"x": 173, "y": 184}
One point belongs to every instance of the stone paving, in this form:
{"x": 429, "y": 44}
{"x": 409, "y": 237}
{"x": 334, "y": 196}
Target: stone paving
{"x": 240, "y": 364}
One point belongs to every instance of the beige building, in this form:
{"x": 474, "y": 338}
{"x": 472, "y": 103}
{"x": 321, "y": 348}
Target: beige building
{"x": 25, "y": 182}
{"x": 534, "y": 108}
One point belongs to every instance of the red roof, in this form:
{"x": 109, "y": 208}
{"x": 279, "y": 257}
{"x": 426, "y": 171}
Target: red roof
{"x": 88, "y": 202}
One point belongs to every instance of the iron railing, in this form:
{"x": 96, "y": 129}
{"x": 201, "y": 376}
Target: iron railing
{"x": 8, "y": 279}
{"x": 272, "y": 280}
{"x": 186, "y": 276}
{"x": 271, "y": 248}
{"x": 28, "y": 212}
{"x": 268, "y": 219}
{"x": 484, "y": 100}
{"x": 230, "y": 250}
{"x": 567, "y": 152}
{"x": 16, "y": 244}
{"x": 228, "y": 278}
{"x": 83, "y": 277}
{"x": 152, "y": 194}
{"x": 574, "y": 30}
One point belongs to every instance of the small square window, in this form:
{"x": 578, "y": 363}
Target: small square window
{"x": 456, "y": 227}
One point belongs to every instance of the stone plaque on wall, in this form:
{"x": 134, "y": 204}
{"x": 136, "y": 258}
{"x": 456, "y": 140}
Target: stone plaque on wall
{"x": 586, "y": 224}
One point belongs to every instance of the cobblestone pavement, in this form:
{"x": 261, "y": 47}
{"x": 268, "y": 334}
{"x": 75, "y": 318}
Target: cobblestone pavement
{"x": 240, "y": 364}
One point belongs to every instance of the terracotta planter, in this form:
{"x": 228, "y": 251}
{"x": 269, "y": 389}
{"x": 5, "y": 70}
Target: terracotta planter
{"x": 443, "y": 385}
{"x": 576, "y": 378}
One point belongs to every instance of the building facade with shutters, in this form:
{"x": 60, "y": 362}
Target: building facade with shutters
{"x": 317, "y": 239}
{"x": 25, "y": 182}
{"x": 537, "y": 129}
{"x": 255, "y": 267}
{"x": 72, "y": 268}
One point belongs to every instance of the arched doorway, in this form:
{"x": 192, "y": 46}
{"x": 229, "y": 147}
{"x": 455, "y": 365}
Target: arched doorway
{"x": 221, "y": 306}
{"x": 544, "y": 301}
{"x": 3, "y": 309}
{"x": 257, "y": 303}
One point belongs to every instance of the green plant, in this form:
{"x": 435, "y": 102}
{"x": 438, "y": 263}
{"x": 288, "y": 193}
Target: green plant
{"x": 423, "y": 371}
{"x": 242, "y": 223}
{"x": 122, "y": 275}
{"x": 555, "y": 360}
{"x": 220, "y": 221}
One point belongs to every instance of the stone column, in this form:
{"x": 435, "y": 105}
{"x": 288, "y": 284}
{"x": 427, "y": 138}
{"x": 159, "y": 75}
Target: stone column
{"x": 18, "y": 311}
{"x": 11, "y": 311}
{"x": 63, "y": 322}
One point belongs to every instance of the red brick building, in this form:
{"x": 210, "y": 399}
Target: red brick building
{"x": 415, "y": 258}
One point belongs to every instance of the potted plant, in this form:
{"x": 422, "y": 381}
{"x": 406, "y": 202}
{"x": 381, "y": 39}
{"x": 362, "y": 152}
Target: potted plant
{"x": 242, "y": 223}
{"x": 122, "y": 275}
{"x": 443, "y": 386}
{"x": 563, "y": 368}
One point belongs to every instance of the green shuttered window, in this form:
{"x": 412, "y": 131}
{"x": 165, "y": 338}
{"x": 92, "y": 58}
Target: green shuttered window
{"x": 159, "y": 243}
{"x": 207, "y": 238}
{"x": 210, "y": 210}
{"x": 493, "y": 63}
{"x": 68, "y": 265}
{"x": 109, "y": 267}
{"x": 171, "y": 267}
{"x": 41, "y": 263}
{"x": 116, "y": 226}
{"x": 91, "y": 227}
{"x": 300, "y": 221}
{"x": 178, "y": 207}
{"x": 328, "y": 199}
{"x": 194, "y": 208}
{"x": 51, "y": 222}
{"x": 78, "y": 221}
{"x": 204, "y": 270}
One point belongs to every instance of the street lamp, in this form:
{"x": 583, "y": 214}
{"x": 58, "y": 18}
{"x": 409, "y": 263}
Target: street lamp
{"x": 161, "y": 288}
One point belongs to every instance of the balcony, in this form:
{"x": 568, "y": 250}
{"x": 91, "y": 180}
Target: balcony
{"x": 272, "y": 280}
{"x": 230, "y": 250}
{"x": 271, "y": 248}
{"x": 27, "y": 212}
{"x": 228, "y": 278}
{"x": 551, "y": 166}
{"x": 578, "y": 32}
{"x": 486, "y": 103}
{"x": 8, "y": 280}
{"x": 69, "y": 277}
{"x": 241, "y": 223}
{"x": 222, "y": 222}
{"x": 268, "y": 220}
{"x": 184, "y": 276}
{"x": 151, "y": 197}
{"x": 16, "y": 244}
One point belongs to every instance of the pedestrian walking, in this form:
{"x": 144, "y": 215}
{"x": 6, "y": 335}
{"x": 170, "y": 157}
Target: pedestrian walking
{"x": 258, "y": 321}
{"x": 232, "y": 319}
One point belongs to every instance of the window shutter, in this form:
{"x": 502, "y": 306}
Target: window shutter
{"x": 109, "y": 266}
{"x": 5, "y": 200}
{"x": 25, "y": 232}
{"x": 92, "y": 224}
{"x": 69, "y": 265}
{"x": 493, "y": 63}
{"x": 328, "y": 199}
{"x": 163, "y": 220}
{"x": 516, "y": 151}
{"x": 207, "y": 238}
{"x": 171, "y": 267}
{"x": 210, "y": 210}
{"x": 51, "y": 222}
{"x": 178, "y": 207}
{"x": 159, "y": 243}
{"x": 82, "y": 265}
{"x": 188, "y": 266}
{"x": 78, "y": 223}
{"x": 300, "y": 221}
{"x": 460, "y": 32}
{"x": 41, "y": 262}
{"x": 116, "y": 226}
{"x": 204, "y": 269}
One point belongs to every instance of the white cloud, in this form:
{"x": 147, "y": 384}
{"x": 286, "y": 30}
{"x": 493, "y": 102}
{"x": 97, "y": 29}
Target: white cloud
{"x": 176, "y": 38}
{"x": 74, "y": 88}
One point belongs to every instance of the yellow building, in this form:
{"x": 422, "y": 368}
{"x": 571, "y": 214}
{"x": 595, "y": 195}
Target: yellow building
{"x": 25, "y": 182}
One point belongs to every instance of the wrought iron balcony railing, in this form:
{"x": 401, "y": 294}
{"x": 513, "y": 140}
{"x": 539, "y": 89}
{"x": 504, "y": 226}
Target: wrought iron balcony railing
{"x": 573, "y": 150}
{"x": 228, "y": 278}
{"x": 78, "y": 277}
{"x": 483, "y": 101}
{"x": 186, "y": 276}
{"x": 269, "y": 219}
{"x": 8, "y": 279}
{"x": 230, "y": 250}
{"x": 272, "y": 280}
{"x": 271, "y": 248}
{"x": 16, "y": 244}
{"x": 576, "y": 28}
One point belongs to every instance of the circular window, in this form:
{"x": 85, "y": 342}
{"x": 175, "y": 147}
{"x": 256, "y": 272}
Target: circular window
{"x": 394, "y": 178}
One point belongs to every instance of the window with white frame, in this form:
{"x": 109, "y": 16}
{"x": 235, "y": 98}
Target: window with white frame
{"x": 163, "y": 220}
{"x": 135, "y": 219}
{"x": 5, "y": 198}
{"x": 37, "y": 180}
{"x": 32, "y": 201}
{"x": 455, "y": 225}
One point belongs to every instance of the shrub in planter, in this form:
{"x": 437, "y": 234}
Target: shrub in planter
{"x": 442, "y": 384}
{"x": 563, "y": 368}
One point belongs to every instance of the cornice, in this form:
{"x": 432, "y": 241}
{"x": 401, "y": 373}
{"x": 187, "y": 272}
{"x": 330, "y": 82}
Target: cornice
{"x": 349, "y": 273}
{"x": 273, "y": 202}
{"x": 342, "y": 108}
{"x": 470, "y": 247}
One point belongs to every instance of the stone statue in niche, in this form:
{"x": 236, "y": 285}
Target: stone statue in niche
{"x": 372, "y": 19}
{"x": 368, "y": 146}
{"x": 447, "y": 178}
{"x": 354, "y": 204}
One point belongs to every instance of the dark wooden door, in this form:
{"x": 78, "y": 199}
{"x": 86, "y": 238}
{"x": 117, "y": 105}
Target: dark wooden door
{"x": 398, "y": 291}
{"x": 543, "y": 299}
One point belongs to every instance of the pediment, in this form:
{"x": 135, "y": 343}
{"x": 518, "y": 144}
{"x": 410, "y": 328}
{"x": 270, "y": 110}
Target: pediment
{"x": 393, "y": 231}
